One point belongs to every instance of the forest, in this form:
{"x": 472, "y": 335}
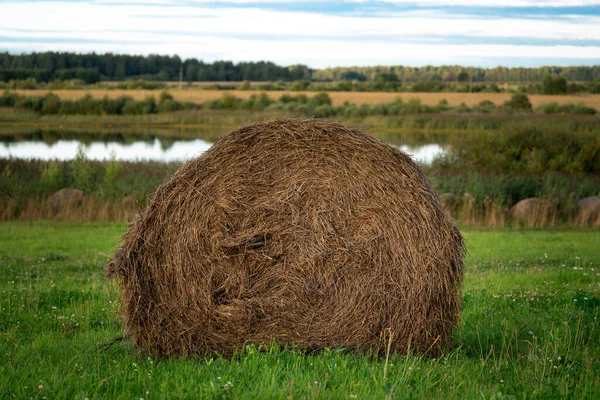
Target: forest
{"x": 92, "y": 68}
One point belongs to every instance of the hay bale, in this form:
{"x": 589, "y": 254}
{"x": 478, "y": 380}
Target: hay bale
{"x": 305, "y": 232}
{"x": 589, "y": 211}
{"x": 494, "y": 213}
{"x": 65, "y": 199}
{"x": 533, "y": 212}
{"x": 468, "y": 210}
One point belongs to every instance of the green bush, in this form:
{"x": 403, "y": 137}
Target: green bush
{"x": 109, "y": 182}
{"x": 51, "y": 104}
{"x": 518, "y": 102}
{"x": 8, "y": 99}
{"x": 519, "y": 149}
{"x": 53, "y": 178}
{"x": 580, "y": 109}
{"x": 167, "y": 106}
{"x": 554, "y": 85}
{"x": 320, "y": 99}
{"x": 486, "y": 106}
{"x": 299, "y": 85}
{"x": 81, "y": 171}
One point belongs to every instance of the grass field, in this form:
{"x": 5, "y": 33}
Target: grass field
{"x": 337, "y": 98}
{"x": 529, "y": 329}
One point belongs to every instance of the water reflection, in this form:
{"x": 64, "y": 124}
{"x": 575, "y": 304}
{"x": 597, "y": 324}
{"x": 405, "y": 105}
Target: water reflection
{"x": 423, "y": 154}
{"x": 139, "y": 150}
{"x": 144, "y": 148}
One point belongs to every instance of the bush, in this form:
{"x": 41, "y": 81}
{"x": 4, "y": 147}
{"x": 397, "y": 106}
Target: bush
{"x": 320, "y": 99}
{"x": 300, "y": 85}
{"x": 132, "y": 107}
{"x": 51, "y": 104}
{"x": 8, "y": 99}
{"x": 246, "y": 86}
{"x": 580, "y": 109}
{"x": 229, "y": 102}
{"x": 109, "y": 182}
{"x": 486, "y": 106}
{"x": 554, "y": 85}
{"x": 52, "y": 178}
{"x": 550, "y": 108}
{"x": 167, "y": 106}
{"x": 81, "y": 170}
{"x": 525, "y": 149}
{"x": 258, "y": 103}
{"x": 518, "y": 102}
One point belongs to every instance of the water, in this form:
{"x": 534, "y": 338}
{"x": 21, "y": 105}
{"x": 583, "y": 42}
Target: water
{"x": 153, "y": 149}
{"x": 138, "y": 150}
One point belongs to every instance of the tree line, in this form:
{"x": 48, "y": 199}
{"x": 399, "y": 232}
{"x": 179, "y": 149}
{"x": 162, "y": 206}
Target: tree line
{"x": 91, "y": 68}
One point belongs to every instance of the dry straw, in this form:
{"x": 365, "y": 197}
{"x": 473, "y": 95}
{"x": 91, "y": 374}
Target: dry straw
{"x": 306, "y": 232}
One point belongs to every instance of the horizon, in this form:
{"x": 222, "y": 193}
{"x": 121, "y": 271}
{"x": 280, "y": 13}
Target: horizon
{"x": 345, "y": 33}
{"x": 183, "y": 60}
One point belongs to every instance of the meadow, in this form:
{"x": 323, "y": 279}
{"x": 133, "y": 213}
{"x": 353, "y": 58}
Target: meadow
{"x": 337, "y": 98}
{"x": 531, "y": 298}
{"x": 529, "y": 329}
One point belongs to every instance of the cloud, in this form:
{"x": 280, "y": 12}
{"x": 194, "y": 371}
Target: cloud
{"x": 500, "y": 4}
{"x": 225, "y": 31}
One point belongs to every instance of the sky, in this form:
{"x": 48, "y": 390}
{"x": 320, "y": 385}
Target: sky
{"x": 317, "y": 33}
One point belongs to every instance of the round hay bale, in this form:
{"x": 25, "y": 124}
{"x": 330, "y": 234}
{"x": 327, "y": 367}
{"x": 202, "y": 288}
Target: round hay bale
{"x": 65, "y": 199}
{"x": 533, "y": 212}
{"x": 589, "y": 211}
{"x": 306, "y": 232}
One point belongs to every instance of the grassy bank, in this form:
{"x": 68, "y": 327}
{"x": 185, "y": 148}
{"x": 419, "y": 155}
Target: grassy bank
{"x": 496, "y": 161}
{"x": 337, "y": 98}
{"x": 529, "y": 328}
{"x": 117, "y": 190}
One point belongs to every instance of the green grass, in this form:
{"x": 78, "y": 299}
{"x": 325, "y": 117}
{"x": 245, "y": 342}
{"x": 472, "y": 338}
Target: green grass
{"x": 529, "y": 329}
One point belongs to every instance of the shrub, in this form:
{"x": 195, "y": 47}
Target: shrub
{"x": 52, "y": 178}
{"x": 81, "y": 170}
{"x": 320, "y": 99}
{"x": 486, "y": 106}
{"x": 518, "y": 101}
{"x": 299, "y": 85}
{"x": 113, "y": 168}
{"x": 51, "y": 104}
{"x": 554, "y": 85}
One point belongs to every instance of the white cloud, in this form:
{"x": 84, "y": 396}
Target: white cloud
{"x": 285, "y": 37}
{"x": 499, "y": 4}
{"x": 467, "y": 3}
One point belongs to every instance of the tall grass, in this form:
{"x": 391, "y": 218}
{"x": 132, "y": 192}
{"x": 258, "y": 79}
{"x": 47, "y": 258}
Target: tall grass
{"x": 27, "y": 185}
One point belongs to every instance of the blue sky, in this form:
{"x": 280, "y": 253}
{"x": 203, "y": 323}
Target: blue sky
{"x": 317, "y": 33}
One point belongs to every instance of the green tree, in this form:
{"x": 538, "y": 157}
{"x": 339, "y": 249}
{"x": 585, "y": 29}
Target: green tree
{"x": 554, "y": 85}
{"x": 463, "y": 77}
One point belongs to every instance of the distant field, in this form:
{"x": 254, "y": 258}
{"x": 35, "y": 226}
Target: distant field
{"x": 338, "y": 98}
